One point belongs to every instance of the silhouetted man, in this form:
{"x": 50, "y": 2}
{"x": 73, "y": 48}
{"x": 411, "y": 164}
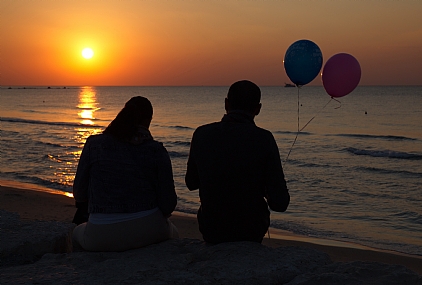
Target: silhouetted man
{"x": 236, "y": 167}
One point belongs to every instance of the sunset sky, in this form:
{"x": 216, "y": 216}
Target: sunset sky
{"x": 202, "y": 42}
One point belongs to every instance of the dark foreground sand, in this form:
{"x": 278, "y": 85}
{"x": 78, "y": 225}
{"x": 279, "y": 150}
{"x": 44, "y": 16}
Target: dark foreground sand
{"x": 33, "y": 204}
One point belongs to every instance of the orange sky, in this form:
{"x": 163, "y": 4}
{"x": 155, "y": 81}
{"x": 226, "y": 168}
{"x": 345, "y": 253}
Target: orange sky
{"x": 202, "y": 42}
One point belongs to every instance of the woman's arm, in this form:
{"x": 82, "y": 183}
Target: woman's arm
{"x": 81, "y": 182}
{"x": 166, "y": 193}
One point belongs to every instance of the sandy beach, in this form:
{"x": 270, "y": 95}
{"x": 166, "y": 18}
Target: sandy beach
{"x": 49, "y": 205}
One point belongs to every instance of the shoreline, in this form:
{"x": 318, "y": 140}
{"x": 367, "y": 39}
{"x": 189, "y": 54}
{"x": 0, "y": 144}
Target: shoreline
{"x": 38, "y": 203}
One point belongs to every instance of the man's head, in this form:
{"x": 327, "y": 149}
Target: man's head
{"x": 244, "y": 95}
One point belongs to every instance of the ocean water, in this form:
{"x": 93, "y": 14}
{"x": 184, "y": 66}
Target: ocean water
{"x": 354, "y": 172}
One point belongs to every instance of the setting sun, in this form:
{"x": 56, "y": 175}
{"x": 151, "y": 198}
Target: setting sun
{"x": 87, "y": 53}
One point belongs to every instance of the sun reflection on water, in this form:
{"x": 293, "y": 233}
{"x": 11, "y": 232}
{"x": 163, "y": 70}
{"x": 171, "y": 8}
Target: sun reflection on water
{"x": 64, "y": 164}
{"x": 87, "y": 105}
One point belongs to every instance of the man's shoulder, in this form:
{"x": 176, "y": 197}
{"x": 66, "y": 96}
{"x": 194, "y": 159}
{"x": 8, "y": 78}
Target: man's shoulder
{"x": 207, "y": 127}
{"x": 264, "y": 131}
{"x": 264, "y": 135}
{"x": 218, "y": 124}
{"x": 217, "y": 127}
{"x": 155, "y": 144}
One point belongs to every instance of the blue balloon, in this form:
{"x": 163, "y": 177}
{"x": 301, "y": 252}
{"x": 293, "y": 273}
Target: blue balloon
{"x": 303, "y": 62}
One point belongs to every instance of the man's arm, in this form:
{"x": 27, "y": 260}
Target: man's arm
{"x": 192, "y": 175}
{"x": 278, "y": 197}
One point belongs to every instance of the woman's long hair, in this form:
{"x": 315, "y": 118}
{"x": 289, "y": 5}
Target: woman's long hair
{"x": 136, "y": 111}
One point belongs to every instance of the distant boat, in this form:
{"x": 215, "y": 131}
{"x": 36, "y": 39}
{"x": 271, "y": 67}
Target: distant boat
{"x": 289, "y": 85}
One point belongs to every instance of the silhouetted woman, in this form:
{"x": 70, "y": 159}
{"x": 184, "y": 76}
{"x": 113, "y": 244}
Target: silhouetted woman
{"x": 126, "y": 178}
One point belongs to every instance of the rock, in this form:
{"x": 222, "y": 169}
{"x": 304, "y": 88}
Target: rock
{"x": 252, "y": 263}
{"x": 359, "y": 272}
{"x": 178, "y": 261}
{"x": 26, "y": 242}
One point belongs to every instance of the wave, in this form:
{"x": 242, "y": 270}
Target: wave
{"x": 89, "y": 108}
{"x": 389, "y": 172}
{"x": 5, "y": 133}
{"x": 36, "y": 181}
{"x": 301, "y": 163}
{"x": 384, "y": 153}
{"x": 181, "y": 127}
{"x": 291, "y": 133}
{"x": 385, "y": 137}
{"x": 13, "y": 138}
{"x": 180, "y": 143}
{"x": 36, "y": 122}
{"x": 56, "y": 145}
{"x": 41, "y": 112}
{"x": 175, "y": 154}
{"x": 410, "y": 216}
{"x": 186, "y": 210}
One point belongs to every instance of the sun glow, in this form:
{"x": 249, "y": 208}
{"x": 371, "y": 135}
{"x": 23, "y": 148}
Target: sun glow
{"x": 87, "y": 53}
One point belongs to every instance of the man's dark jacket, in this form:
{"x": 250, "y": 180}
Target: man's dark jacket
{"x": 236, "y": 167}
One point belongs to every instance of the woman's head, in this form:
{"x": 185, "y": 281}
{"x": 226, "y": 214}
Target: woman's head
{"x": 136, "y": 112}
{"x": 140, "y": 109}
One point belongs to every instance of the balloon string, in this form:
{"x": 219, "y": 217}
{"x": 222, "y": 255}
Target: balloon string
{"x": 320, "y": 112}
{"x": 332, "y": 98}
{"x": 298, "y": 118}
{"x": 298, "y": 124}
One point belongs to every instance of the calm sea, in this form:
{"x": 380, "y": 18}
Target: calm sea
{"x": 354, "y": 173}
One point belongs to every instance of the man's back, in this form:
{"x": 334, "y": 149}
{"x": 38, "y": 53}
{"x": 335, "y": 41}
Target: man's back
{"x": 235, "y": 164}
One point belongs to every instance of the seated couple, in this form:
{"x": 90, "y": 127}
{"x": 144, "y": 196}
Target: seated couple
{"x": 124, "y": 178}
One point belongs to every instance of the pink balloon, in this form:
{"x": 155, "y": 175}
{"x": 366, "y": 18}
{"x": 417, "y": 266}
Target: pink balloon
{"x": 341, "y": 75}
